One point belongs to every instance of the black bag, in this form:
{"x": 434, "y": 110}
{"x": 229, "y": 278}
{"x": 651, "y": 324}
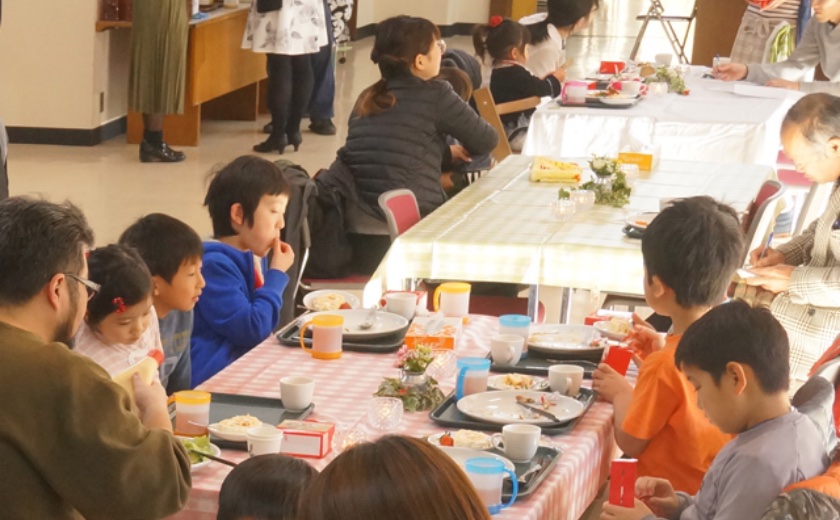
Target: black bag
{"x": 265, "y": 6}
{"x": 330, "y": 251}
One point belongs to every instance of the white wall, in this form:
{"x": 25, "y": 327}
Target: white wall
{"x": 442, "y": 12}
{"x": 53, "y": 65}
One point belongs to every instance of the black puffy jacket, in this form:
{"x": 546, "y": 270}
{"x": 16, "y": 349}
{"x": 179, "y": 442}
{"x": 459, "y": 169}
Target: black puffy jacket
{"x": 402, "y": 147}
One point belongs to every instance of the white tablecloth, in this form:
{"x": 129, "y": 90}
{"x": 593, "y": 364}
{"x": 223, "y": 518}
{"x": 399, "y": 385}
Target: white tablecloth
{"x": 343, "y": 389}
{"x": 501, "y": 229}
{"x": 712, "y": 123}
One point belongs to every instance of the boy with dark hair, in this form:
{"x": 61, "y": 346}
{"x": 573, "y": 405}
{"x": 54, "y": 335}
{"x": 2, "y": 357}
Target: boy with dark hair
{"x": 690, "y": 250}
{"x": 244, "y": 293}
{"x": 172, "y": 251}
{"x": 736, "y": 359}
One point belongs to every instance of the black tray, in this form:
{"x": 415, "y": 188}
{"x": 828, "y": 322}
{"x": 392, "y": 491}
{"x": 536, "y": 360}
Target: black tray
{"x": 595, "y": 103}
{"x": 267, "y": 409}
{"x": 447, "y": 414}
{"x": 537, "y": 365}
{"x": 289, "y": 336}
{"x": 549, "y": 455}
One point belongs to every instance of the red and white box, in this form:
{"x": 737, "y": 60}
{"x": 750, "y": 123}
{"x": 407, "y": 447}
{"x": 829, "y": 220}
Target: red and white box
{"x": 311, "y": 439}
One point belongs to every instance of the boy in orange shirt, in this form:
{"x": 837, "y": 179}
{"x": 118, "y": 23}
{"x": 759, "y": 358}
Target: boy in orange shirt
{"x": 690, "y": 251}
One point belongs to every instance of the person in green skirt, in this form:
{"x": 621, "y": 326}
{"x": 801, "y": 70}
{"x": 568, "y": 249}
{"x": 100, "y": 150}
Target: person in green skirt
{"x": 158, "y": 71}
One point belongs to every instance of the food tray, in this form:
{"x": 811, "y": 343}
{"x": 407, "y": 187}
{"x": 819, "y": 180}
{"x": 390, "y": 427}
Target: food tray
{"x": 548, "y": 454}
{"x": 266, "y": 409}
{"x": 447, "y": 414}
{"x": 289, "y": 336}
{"x": 537, "y": 363}
{"x": 596, "y": 103}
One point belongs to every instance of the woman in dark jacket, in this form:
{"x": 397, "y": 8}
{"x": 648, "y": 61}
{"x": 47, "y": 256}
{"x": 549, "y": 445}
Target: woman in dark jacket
{"x": 396, "y": 137}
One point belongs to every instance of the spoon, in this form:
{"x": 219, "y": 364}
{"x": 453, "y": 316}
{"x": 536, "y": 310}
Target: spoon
{"x": 370, "y": 319}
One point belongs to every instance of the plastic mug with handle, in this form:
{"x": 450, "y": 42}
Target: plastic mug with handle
{"x": 326, "y": 336}
{"x": 453, "y": 299}
{"x": 486, "y": 475}
{"x": 472, "y": 376}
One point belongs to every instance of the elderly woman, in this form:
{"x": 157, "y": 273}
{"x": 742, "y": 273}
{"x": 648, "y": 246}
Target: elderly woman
{"x": 805, "y": 272}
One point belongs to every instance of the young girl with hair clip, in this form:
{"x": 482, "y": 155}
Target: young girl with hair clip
{"x": 397, "y": 134}
{"x": 550, "y": 30}
{"x": 505, "y": 41}
{"x": 120, "y": 326}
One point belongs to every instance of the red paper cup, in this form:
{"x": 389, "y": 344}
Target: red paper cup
{"x": 619, "y": 359}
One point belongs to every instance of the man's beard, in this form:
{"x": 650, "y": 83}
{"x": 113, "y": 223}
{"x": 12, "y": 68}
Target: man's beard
{"x": 65, "y": 331}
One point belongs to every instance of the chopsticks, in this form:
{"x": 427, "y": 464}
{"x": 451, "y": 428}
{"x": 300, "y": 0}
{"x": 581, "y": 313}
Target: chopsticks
{"x": 213, "y": 457}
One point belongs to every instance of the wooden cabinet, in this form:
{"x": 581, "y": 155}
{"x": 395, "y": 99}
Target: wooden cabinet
{"x": 716, "y": 26}
{"x": 514, "y": 9}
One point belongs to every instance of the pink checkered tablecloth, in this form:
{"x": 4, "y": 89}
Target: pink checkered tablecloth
{"x": 342, "y": 394}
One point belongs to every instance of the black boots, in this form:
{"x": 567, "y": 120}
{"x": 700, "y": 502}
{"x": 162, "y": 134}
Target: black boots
{"x": 159, "y": 153}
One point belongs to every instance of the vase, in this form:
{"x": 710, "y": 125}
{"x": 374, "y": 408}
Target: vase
{"x": 411, "y": 379}
{"x": 604, "y": 180}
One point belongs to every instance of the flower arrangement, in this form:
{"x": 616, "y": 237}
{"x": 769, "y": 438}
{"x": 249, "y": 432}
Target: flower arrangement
{"x": 604, "y": 166}
{"x": 414, "y": 398}
{"x": 675, "y": 81}
{"x": 563, "y": 194}
{"x": 414, "y": 360}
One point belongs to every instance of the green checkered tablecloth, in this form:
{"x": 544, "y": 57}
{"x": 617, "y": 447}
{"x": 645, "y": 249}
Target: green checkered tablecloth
{"x": 501, "y": 229}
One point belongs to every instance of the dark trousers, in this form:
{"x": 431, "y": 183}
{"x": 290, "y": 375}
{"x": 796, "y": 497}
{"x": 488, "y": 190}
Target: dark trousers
{"x": 289, "y": 90}
{"x": 323, "y": 68}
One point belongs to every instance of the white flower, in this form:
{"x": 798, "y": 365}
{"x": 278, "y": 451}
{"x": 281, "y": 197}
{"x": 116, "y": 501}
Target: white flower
{"x": 598, "y": 164}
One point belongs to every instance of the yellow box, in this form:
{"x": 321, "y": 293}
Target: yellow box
{"x": 643, "y": 160}
{"x": 445, "y": 338}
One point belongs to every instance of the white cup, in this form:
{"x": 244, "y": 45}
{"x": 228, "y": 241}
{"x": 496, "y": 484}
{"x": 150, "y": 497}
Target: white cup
{"x": 631, "y": 88}
{"x": 506, "y": 349}
{"x": 402, "y": 303}
{"x": 263, "y": 440}
{"x": 576, "y": 93}
{"x": 565, "y": 379}
{"x": 296, "y": 392}
{"x": 663, "y": 60}
{"x": 519, "y": 442}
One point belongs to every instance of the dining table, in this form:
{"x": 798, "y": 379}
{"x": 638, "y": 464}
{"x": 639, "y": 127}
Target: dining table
{"x": 344, "y": 389}
{"x": 733, "y": 122}
{"x": 502, "y": 229}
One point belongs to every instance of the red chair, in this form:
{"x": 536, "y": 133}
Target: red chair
{"x": 761, "y": 217}
{"x": 401, "y": 211}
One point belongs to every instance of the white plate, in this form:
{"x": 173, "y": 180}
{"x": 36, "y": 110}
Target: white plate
{"x": 618, "y": 100}
{"x": 640, "y": 220}
{"x": 603, "y": 328}
{"x": 384, "y": 324}
{"x": 462, "y": 455}
{"x": 435, "y": 440}
{"x": 563, "y": 338}
{"x": 226, "y": 435}
{"x": 309, "y": 299}
{"x": 501, "y": 407}
{"x": 498, "y": 383}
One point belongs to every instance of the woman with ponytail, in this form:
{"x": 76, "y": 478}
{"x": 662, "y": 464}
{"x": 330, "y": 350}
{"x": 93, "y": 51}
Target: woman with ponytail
{"x": 397, "y": 134}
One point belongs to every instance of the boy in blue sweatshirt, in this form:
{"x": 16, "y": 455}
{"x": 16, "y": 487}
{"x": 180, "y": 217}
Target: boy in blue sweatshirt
{"x": 240, "y": 305}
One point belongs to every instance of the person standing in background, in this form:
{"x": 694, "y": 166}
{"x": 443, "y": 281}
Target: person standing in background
{"x": 158, "y": 71}
{"x": 760, "y": 20}
{"x": 321, "y": 109}
{"x": 287, "y": 35}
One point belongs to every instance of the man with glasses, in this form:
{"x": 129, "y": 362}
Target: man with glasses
{"x": 805, "y": 272}
{"x": 72, "y": 443}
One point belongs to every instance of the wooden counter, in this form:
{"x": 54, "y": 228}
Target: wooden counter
{"x": 224, "y": 81}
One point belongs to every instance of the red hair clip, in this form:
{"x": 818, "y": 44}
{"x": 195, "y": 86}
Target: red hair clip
{"x": 495, "y": 21}
{"x": 119, "y": 304}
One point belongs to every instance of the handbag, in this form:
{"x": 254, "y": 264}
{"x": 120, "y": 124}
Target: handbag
{"x": 265, "y": 6}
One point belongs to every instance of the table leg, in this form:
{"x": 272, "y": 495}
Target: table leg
{"x": 566, "y": 305}
{"x": 533, "y": 302}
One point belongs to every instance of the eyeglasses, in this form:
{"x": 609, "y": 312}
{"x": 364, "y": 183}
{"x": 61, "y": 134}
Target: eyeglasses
{"x": 441, "y": 45}
{"x": 92, "y": 287}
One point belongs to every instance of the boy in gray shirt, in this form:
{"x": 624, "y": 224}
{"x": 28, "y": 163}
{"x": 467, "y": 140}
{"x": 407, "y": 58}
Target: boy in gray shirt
{"x": 172, "y": 250}
{"x": 736, "y": 357}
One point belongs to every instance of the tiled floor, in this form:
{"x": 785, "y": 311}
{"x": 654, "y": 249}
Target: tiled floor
{"x": 114, "y": 188}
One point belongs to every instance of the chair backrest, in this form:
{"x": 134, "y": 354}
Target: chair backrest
{"x": 765, "y": 208}
{"x": 401, "y": 211}
{"x": 814, "y": 205}
{"x": 490, "y": 112}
